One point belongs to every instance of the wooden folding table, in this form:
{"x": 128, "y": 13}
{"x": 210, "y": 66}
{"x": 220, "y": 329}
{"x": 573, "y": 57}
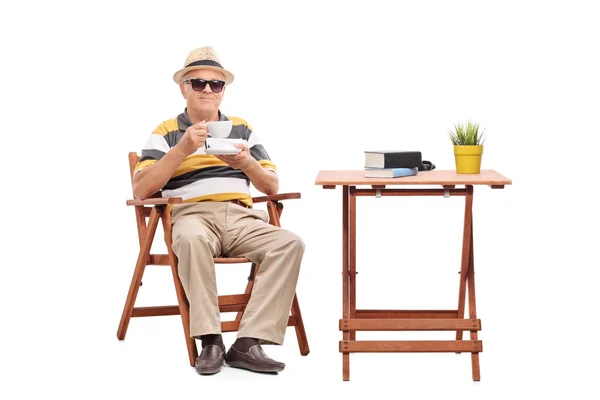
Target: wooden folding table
{"x": 354, "y": 320}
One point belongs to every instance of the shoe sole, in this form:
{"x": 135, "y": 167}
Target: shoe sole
{"x": 243, "y": 365}
{"x": 208, "y": 371}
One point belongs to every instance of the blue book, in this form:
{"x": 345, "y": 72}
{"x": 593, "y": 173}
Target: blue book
{"x": 390, "y": 172}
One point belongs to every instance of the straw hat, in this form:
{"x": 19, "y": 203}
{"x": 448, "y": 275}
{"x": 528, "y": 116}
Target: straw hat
{"x": 202, "y": 58}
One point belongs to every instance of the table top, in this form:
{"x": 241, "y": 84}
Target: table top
{"x": 435, "y": 177}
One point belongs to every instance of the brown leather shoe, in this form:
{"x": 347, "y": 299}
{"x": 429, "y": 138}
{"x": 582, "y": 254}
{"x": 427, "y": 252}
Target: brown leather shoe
{"x": 255, "y": 360}
{"x": 210, "y": 360}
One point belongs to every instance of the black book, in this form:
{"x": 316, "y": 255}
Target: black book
{"x": 392, "y": 159}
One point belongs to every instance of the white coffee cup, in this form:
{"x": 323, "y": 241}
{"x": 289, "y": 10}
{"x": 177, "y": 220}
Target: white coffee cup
{"x": 219, "y": 129}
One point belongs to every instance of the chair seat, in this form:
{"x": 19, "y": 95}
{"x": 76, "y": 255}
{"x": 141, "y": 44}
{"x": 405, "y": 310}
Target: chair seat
{"x": 232, "y": 260}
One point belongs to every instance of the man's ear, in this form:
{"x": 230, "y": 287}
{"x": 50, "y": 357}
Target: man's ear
{"x": 182, "y": 88}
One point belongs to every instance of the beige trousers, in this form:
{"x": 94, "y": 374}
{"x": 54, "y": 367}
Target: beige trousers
{"x": 205, "y": 230}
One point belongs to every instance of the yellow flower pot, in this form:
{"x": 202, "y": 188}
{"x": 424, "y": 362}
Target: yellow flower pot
{"x": 468, "y": 159}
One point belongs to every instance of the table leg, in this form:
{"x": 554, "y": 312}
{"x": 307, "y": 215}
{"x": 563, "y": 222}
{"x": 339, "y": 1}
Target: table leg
{"x": 345, "y": 275}
{"x": 466, "y": 251}
{"x": 352, "y": 266}
{"x": 472, "y": 308}
{"x": 467, "y": 278}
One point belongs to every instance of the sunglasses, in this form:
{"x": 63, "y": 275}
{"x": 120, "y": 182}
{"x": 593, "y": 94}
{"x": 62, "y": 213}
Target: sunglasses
{"x": 199, "y": 84}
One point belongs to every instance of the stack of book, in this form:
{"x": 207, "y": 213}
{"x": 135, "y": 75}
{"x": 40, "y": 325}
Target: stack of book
{"x": 391, "y": 163}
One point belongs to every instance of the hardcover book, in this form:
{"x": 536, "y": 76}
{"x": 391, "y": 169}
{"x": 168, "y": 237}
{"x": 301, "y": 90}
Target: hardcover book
{"x": 389, "y": 172}
{"x": 392, "y": 159}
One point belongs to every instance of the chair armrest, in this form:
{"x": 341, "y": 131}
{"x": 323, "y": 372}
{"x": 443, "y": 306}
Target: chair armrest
{"x": 155, "y": 201}
{"x": 276, "y": 197}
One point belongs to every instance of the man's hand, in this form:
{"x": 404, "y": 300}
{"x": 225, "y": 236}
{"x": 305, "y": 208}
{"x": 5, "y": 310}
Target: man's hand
{"x": 193, "y": 138}
{"x": 238, "y": 161}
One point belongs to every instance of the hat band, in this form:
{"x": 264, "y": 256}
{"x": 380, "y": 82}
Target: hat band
{"x": 210, "y": 63}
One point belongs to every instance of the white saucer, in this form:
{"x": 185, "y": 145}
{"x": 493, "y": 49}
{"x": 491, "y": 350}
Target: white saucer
{"x": 222, "y": 151}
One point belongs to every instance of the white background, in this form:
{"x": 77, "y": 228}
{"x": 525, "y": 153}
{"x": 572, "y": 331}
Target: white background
{"x": 84, "y": 83}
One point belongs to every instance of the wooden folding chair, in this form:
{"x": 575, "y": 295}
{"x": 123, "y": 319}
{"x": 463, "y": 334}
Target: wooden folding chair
{"x": 156, "y": 209}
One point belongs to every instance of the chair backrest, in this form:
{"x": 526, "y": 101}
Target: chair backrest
{"x": 133, "y": 160}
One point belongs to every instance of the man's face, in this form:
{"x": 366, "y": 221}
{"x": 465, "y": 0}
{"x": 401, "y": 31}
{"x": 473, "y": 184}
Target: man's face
{"x": 205, "y": 101}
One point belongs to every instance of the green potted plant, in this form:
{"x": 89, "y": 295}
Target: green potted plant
{"x": 468, "y": 140}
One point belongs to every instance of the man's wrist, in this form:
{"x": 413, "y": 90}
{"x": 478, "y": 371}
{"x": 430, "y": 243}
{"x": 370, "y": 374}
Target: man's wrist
{"x": 251, "y": 164}
{"x": 179, "y": 153}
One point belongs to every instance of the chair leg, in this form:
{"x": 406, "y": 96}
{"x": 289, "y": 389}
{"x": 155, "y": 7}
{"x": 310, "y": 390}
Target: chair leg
{"x": 184, "y": 308}
{"x": 249, "y": 286}
{"x": 136, "y": 280}
{"x": 275, "y": 209}
{"x": 300, "y": 332}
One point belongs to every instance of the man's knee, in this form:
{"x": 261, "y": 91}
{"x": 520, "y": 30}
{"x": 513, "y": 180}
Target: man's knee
{"x": 294, "y": 241}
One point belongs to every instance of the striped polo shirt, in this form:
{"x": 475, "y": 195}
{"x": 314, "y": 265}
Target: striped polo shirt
{"x": 201, "y": 176}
